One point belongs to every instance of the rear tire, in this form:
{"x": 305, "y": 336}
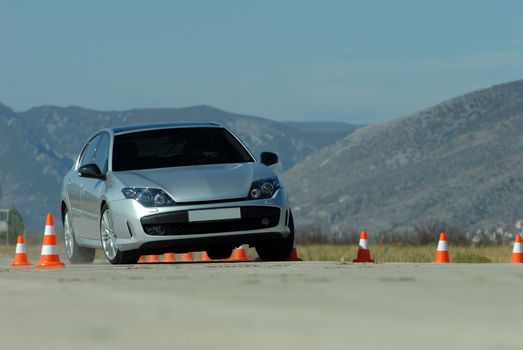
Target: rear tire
{"x": 75, "y": 254}
{"x": 109, "y": 241}
{"x": 280, "y": 249}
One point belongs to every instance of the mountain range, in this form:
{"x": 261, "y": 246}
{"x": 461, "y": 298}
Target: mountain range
{"x": 459, "y": 162}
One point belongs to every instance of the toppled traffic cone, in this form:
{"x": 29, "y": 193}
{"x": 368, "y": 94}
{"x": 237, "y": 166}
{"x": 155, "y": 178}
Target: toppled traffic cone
{"x": 205, "y": 257}
{"x": 294, "y": 253}
{"x": 187, "y": 257}
{"x": 240, "y": 254}
{"x": 153, "y": 258}
{"x": 169, "y": 257}
{"x": 20, "y": 254}
{"x": 442, "y": 253}
{"x": 363, "y": 249}
{"x": 517, "y": 253}
{"x": 142, "y": 259}
{"x": 49, "y": 256}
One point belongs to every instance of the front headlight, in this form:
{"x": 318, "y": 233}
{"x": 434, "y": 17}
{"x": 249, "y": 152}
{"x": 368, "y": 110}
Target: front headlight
{"x": 148, "y": 197}
{"x": 264, "y": 188}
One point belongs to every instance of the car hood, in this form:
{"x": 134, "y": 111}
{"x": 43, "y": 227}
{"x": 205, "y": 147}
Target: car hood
{"x": 199, "y": 183}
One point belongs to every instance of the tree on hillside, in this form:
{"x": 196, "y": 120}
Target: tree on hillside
{"x": 16, "y": 224}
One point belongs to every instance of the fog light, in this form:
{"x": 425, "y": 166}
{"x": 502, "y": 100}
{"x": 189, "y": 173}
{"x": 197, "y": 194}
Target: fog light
{"x": 159, "y": 230}
{"x": 266, "y": 189}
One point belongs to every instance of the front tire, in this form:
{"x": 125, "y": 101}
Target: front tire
{"x": 75, "y": 253}
{"x": 219, "y": 254}
{"x": 109, "y": 241}
{"x": 280, "y": 249}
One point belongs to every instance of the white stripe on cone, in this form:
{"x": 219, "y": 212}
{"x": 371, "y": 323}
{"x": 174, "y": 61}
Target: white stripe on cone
{"x": 363, "y": 244}
{"x": 49, "y": 250}
{"x": 49, "y": 230}
{"x": 20, "y": 248}
{"x": 443, "y": 246}
{"x": 517, "y": 248}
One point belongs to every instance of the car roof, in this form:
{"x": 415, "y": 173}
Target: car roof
{"x": 181, "y": 124}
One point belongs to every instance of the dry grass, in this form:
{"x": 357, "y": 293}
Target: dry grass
{"x": 403, "y": 253}
{"x": 380, "y": 253}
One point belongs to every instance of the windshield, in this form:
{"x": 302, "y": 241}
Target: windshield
{"x": 177, "y": 147}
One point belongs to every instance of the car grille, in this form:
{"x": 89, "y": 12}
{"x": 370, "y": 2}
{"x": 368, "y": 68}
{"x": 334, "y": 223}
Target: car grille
{"x": 253, "y": 218}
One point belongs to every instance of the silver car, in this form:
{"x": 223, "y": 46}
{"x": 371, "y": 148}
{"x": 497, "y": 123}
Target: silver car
{"x": 177, "y": 187}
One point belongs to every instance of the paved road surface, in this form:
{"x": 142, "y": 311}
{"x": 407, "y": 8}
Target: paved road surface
{"x": 307, "y": 305}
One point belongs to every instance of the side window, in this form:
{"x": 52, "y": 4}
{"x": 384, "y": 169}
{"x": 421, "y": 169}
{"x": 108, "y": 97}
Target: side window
{"x": 102, "y": 153}
{"x": 88, "y": 154}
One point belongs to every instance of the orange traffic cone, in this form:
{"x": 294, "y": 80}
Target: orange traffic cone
{"x": 205, "y": 257}
{"x": 20, "y": 255}
{"x": 294, "y": 253}
{"x": 142, "y": 259}
{"x": 49, "y": 256}
{"x": 363, "y": 249}
{"x": 187, "y": 257}
{"x": 442, "y": 253}
{"x": 517, "y": 253}
{"x": 240, "y": 254}
{"x": 169, "y": 257}
{"x": 153, "y": 258}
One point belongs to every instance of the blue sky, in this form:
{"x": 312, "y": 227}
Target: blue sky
{"x": 359, "y": 61}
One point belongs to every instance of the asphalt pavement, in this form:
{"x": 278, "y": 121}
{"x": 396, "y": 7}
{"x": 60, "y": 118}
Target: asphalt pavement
{"x": 255, "y": 305}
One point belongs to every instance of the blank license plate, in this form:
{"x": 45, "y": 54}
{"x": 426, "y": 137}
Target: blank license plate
{"x": 215, "y": 214}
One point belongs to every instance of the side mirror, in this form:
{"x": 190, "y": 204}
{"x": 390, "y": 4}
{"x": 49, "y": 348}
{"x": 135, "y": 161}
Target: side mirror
{"x": 92, "y": 171}
{"x": 269, "y": 158}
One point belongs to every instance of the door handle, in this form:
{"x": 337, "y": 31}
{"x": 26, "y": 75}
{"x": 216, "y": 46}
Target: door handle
{"x": 83, "y": 188}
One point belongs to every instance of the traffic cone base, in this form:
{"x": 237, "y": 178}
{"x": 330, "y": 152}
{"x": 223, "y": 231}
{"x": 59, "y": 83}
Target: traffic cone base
{"x": 20, "y": 254}
{"x": 442, "y": 257}
{"x": 363, "y": 250}
{"x": 294, "y": 253}
{"x": 49, "y": 257}
{"x": 517, "y": 253}
{"x": 442, "y": 253}
{"x": 187, "y": 257}
{"x": 240, "y": 254}
{"x": 205, "y": 257}
{"x": 153, "y": 259}
{"x": 363, "y": 256}
{"x": 169, "y": 257}
{"x": 50, "y": 264}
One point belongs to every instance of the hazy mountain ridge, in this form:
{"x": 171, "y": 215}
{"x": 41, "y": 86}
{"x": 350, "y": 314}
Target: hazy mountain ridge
{"x": 458, "y": 162}
{"x": 38, "y": 146}
{"x": 21, "y": 160}
{"x": 326, "y": 127}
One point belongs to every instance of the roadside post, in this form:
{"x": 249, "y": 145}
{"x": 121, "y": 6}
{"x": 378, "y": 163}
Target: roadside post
{"x": 4, "y": 224}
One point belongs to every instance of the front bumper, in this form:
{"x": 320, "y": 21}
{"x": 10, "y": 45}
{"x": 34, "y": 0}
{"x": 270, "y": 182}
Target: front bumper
{"x": 158, "y": 230}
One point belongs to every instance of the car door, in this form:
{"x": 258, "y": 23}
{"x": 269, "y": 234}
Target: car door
{"x": 93, "y": 190}
{"x": 77, "y": 188}
{"x": 74, "y": 184}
